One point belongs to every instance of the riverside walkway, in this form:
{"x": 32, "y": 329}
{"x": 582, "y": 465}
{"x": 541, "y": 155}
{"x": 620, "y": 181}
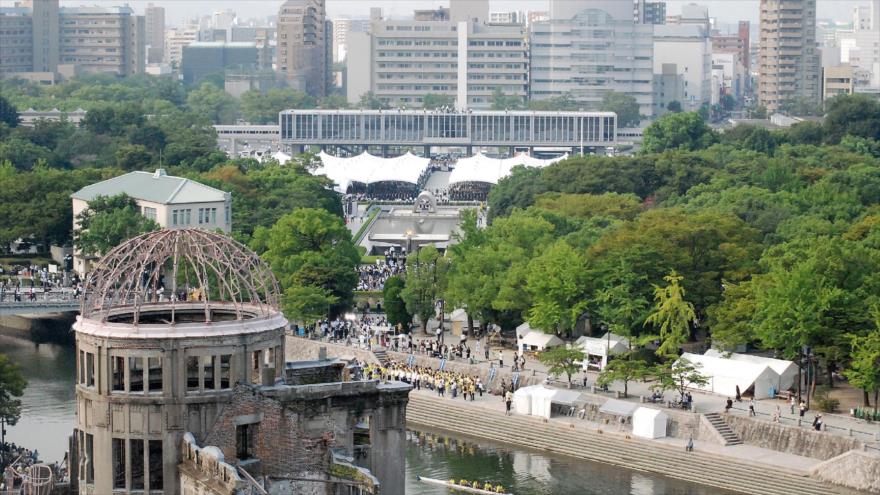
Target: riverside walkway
{"x": 742, "y": 469}
{"x": 45, "y": 302}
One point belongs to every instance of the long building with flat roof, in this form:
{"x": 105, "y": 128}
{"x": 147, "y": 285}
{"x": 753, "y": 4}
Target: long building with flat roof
{"x": 411, "y": 129}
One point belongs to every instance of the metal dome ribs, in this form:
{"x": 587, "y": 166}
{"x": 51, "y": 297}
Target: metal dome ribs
{"x": 180, "y": 269}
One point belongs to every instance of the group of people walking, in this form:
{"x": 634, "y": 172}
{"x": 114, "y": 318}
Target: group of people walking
{"x": 444, "y": 383}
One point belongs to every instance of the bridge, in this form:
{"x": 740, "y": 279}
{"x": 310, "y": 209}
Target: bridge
{"x": 48, "y": 302}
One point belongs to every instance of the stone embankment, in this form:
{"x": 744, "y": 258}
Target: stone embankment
{"x": 697, "y": 467}
{"x": 853, "y": 469}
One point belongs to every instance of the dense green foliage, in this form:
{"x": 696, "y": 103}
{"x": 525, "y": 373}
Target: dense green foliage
{"x": 395, "y": 306}
{"x": 108, "y": 222}
{"x": 774, "y": 235}
{"x": 12, "y": 385}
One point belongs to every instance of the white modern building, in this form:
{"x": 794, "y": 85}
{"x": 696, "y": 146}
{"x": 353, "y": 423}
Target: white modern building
{"x": 688, "y": 48}
{"x": 586, "y": 49}
{"x": 172, "y": 202}
{"x": 859, "y": 47}
{"x": 458, "y": 56}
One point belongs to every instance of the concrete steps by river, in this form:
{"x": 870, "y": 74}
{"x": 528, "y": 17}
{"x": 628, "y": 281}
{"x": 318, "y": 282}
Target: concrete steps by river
{"x": 726, "y": 473}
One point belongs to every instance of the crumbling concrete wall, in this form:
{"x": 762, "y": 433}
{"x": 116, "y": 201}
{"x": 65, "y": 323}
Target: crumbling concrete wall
{"x": 791, "y": 439}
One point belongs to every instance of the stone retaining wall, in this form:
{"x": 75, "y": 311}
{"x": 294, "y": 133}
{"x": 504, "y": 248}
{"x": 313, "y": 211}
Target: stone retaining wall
{"x": 791, "y": 439}
{"x": 854, "y": 469}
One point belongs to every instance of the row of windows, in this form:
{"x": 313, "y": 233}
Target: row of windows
{"x": 417, "y": 128}
{"x": 136, "y": 461}
{"x": 143, "y": 374}
{"x": 204, "y": 216}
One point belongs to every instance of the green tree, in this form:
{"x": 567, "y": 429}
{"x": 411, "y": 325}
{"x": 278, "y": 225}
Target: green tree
{"x": 12, "y": 385}
{"x": 370, "y": 101}
{"x": 108, "y": 222}
{"x": 626, "y": 368}
{"x": 802, "y": 107}
{"x": 432, "y": 101}
{"x": 864, "y": 369}
{"x": 625, "y": 106}
{"x": 564, "y": 102}
{"x": 213, "y": 103}
{"x": 679, "y": 375}
{"x": 731, "y": 318}
{"x": 855, "y": 115}
{"x": 557, "y": 282}
{"x": 562, "y": 359}
{"x": 685, "y": 130}
{"x": 757, "y": 112}
{"x": 426, "y": 276}
{"x": 674, "y": 106}
{"x": 394, "y": 305}
{"x": 133, "y": 157}
{"x": 333, "y": 102}
{"x": 618, "y": 301}
{"x": 263, "y": 108}
{"x": 502, "y": 101}
{"x": 311, "y": 252}
{"x": 8, "y": 112}
{"x": 672, "y": 315}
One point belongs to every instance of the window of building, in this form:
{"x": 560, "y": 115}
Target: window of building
{"x": 187, "y": 217}
{"x": 192, "y": 373}
{"x": 154, "y": 366}
{"x": 225, "y": 371}
{"x": 174, "y": 217}
{"x": 155, "y": 457}
{"x": 82, "y": 367}
{"x": 118, "y": 452}
{"x": 118, "y": 372}
{"x": 244, "y": 441}
{"x": 135, "y": 374}
{"x": 208, "y": 372}
{"x": 137, "y": 463}
{"x": 90, "y": 369}
{"x": 150, "y": 213}
{"x": 90, "y": 458}
{"x": 200, "y": 215}
{"x": 214, "y": 216}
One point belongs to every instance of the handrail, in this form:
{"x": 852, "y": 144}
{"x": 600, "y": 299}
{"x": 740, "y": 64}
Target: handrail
{"x": 251, "y": 481}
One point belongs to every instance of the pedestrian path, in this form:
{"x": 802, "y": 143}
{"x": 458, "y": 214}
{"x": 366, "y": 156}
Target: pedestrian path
{"x": 748, "y": 470}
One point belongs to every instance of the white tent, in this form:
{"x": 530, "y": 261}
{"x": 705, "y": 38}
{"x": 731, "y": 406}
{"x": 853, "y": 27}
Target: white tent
{"x": 598, "y": 349}
{"x": 534, "y": 340}
{"x": 522, "y": 400}
{"x": 649, "y": 423}
{"x": 618, "y": 407}
{"x": 787, "y": 370}
{"x": 724, "y": 375}
{"x": 368, "y": 169}
{"x": 481, "y": 168}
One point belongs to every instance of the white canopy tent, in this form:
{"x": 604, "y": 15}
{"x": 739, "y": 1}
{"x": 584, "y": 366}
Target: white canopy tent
{"x": 369, "y": 169}
{"x": 598, "y": 349}
{"x": 618, "y": 408}
{"x": 649, "y": 423}
{"x": 724, "y": 375}
{"x": 787, "y": 370}
{"x": 528, "y": 339}
{"x": 481, "y": 168}
{"x": 538, "y": 400}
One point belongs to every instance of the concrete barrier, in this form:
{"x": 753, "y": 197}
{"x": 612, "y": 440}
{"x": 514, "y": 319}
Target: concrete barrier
{"x": 853, "y": 469}
{"x": 791, "y": 439}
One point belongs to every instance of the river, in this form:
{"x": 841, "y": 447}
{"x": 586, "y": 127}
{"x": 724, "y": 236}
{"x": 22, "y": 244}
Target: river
{"x": 48, "y": 418}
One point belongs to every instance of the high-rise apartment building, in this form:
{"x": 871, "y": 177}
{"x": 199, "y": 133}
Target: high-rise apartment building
{"x": 46, "y": 51}
{"x": 304, "y": 46}
{"x": 175, "y": 40}
{"x": 103, "y": 39}
{"x": 73, "y": 41}
{"x": 788, "y": 59}
{"x": 587, "y": 49}
{"x": 403, "y": 61}
{"x": 154, "y": 19}
{"x": 17, "y": 41}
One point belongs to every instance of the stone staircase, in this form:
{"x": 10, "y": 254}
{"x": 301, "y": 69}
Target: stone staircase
{"x": 721, "y": 472}
{"x": 382, "y": 356}
{"x": 730, "y": 437}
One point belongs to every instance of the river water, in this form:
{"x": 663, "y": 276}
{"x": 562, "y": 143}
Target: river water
{"x": 48, "y": 419}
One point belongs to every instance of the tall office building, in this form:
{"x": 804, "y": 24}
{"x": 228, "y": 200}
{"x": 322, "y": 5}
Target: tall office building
{"x": 45, "y": 30}
{"x": 303, "y": 44}
{"x": 788, "y": 60}
{"x": 154, "y": 19}
{"x": 402, "y": 61}
{"x": 17, "y": 41}
{"x": 587, "y": 49}
{"x": 175, "y": 40}
{"x": 103, "y": 39}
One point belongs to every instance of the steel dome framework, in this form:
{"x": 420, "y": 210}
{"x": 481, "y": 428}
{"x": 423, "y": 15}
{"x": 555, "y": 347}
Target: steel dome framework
{"x": 180, "y": 270}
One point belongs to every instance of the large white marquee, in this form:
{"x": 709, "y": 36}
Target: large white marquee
{"x": 369, "y": 169}
{"x": 481, "y": 168}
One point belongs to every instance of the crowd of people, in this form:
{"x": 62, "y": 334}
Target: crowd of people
{"x": 15, "y": 461}
{"x": 444, "y": 383}
{"x": 374, "y": 276}
{"x": 469, "y": 191}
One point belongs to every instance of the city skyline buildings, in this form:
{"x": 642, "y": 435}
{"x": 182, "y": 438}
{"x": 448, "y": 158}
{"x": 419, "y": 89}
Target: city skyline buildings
{"x": 179, "y": 12}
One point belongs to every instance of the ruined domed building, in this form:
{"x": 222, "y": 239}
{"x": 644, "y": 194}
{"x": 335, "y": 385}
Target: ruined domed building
{"x": 182, "y": 388}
